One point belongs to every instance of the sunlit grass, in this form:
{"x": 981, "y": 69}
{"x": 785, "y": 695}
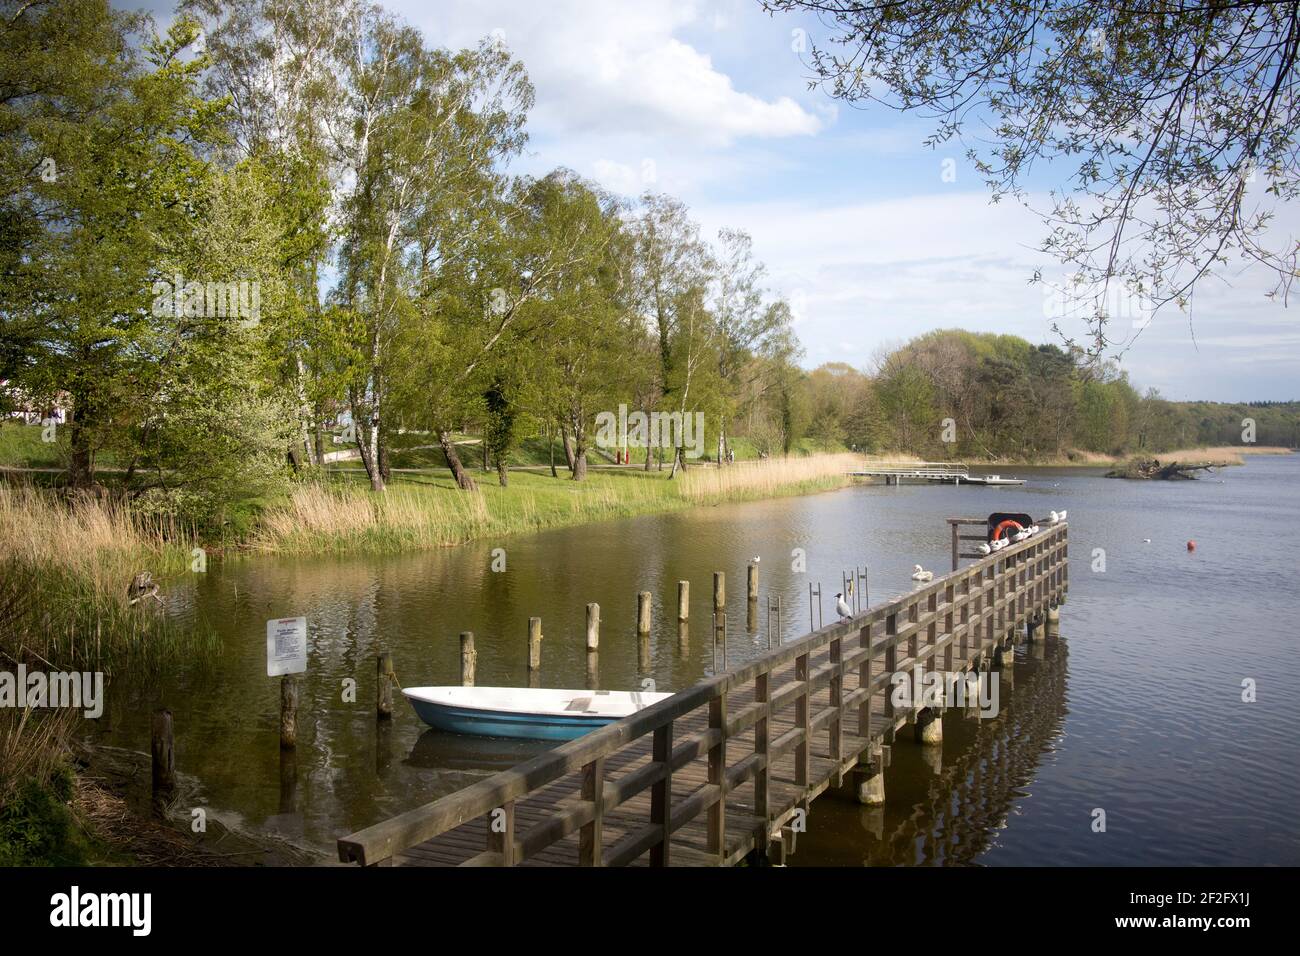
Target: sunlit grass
{"x": 426, "y": 511}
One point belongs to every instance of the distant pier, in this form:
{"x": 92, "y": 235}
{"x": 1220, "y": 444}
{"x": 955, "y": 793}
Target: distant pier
{"x": 940, "y": 471}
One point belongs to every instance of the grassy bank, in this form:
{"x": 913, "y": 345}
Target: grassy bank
{"x": 427, "y": 511}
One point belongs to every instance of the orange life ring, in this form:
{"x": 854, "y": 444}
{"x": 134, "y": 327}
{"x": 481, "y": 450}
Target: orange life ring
{"x": 997, "y": 532}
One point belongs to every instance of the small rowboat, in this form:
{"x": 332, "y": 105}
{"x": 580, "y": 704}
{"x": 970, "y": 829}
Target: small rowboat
{"x": 529, "y": 713}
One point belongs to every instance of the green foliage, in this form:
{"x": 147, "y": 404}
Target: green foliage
{"x": 38, "y": 827}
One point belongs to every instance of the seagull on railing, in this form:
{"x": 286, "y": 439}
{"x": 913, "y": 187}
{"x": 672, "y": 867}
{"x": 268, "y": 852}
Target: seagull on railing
{"x": 842, "y": 609}
{"x": 920, "y": 574}
{"x": 983, "y": 548}
{"x": 998, "y": 544}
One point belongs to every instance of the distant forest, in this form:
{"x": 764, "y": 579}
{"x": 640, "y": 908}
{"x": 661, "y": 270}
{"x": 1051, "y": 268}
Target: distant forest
{"x": 999, "y": 396}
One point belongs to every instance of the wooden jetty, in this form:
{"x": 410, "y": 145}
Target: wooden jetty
{"x": 940, "y": 471}
{"x": 731, "y": 766}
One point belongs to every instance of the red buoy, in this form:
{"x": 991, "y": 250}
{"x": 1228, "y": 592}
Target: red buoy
{"x": 1191, "y": 545}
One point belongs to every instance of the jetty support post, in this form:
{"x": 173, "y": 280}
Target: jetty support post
{"x": 683, "y": 601}
{"x": 468, "y": 659}
{"x": 288, "y": 712}
{"x": 719, "y": 591}
{"x": 384, "y": 686}
{"x": 929, "y": 726}
{"x": 643, "y": 614}
{"x": 752, "y": 583}
{"x": 162, "y": 747}
{"x": 534, "y": 643}
{"x": 593, "y": 628}
{"x": 869, "y": 779}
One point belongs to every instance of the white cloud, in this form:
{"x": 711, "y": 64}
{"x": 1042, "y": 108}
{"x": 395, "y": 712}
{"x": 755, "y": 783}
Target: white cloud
{"x": 619, "y": 66}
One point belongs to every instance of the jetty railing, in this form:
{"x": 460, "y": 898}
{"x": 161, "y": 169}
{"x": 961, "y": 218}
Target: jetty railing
{"x": 957, "y": 619}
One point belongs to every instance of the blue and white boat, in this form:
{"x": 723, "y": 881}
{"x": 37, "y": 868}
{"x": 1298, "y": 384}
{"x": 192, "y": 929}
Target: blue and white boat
{"x": 528, "y": 713}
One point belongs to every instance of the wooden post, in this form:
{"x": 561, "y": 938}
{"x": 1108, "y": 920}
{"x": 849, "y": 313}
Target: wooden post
{"x": 468, "y": 659}
{"x": 384, "y": 686}
{"x": 683, "y": 601}
{"x": 643, "y": 613}
{"x": 534, "y": 643}
{"x": 929, "y": 727}
{"x": 593, "y": 627}
{"x": 288, "y": 712}
{"x": 162, "y": 745}
{"x": 955, "y": 549}
{"x": 752, "y": 582}
{"x": 719, "y": 590}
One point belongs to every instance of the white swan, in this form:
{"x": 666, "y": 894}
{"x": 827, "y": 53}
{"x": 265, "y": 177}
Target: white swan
{"x": 920, "y": 574}
{"x": 841, "y": 608}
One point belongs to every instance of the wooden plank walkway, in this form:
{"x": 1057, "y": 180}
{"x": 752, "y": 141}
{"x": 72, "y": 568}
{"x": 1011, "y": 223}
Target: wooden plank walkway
{"x": 718, "y": 771}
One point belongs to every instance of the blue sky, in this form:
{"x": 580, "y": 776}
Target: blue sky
{"x": 708, "y": 100}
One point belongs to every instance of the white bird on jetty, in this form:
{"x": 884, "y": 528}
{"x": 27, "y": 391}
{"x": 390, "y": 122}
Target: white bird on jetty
{"x": 1063, "y": 514}
{"x": 920, "y": 574}
{"x": 1020, "y": 535}
{"x": 999, "y": 544}
{"x": 841, "y": 608}
{"x": 1055, "y": 518}
{"x": 757, "y": 559}
{"x": 983, "y": 548}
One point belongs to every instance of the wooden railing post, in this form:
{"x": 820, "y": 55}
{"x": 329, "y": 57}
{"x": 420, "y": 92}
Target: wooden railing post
{"x": 717, "y": 815}
{"x": 661, "y": 795}
{"x": 891, "y": 663}
{"x": 836, "y": 742}
{"x": 590, "y": 838}
{"x": 864, "y": 681}
{"x": 803, "y": 720}
{"x": 501, "y": 833}
{"x": 761, "y": 808}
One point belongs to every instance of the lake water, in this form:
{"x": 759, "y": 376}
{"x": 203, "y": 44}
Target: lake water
{"x": 1136, "y": 711}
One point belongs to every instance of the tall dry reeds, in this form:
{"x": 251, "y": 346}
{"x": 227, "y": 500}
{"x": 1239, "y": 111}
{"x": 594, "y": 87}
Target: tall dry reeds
{"x": 69, "y": 564}
{"x": 767, "y": 478}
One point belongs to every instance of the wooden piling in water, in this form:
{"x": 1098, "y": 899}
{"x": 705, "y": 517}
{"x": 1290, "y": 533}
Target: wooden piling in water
{"x": 593, "y": 628}
{"x": 468, "y": 659}
{"x": 683, "y": 601}
{"x": 288, "y": 712}
{"x": 534, "y": 643}
{"x": 751, "y": 582}
{"x": 384, "y": 686}
{"x": 162, "y": 747}
{"x": 929, "y": 727}
{"x": 719, "y": 590}
{"x": 643, "y": 614}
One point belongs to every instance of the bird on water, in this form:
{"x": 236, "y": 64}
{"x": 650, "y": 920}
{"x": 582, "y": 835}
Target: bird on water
{"x": 920, "y": 574}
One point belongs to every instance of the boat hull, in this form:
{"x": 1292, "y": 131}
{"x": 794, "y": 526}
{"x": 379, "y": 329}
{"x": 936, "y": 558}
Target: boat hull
{"x": 496, "y": 723}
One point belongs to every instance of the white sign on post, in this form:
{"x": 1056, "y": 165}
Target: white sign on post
{"x": 286, "y": 646}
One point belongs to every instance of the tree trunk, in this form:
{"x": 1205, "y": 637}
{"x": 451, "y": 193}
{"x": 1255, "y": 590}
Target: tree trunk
{"x": 568, "y": 448}
{"x": 503, "y": 473}
{"x": 366, "y": 444}
{"x": 550, "y": 435}
{"x": 463, "y": 480}
{"x": 81, "y": 466}
{"x": 385, "y": 465}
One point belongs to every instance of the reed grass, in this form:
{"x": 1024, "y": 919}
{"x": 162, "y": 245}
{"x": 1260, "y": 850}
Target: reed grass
{"x": 349, "y": 518}
{"x": 64, "y": 571}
